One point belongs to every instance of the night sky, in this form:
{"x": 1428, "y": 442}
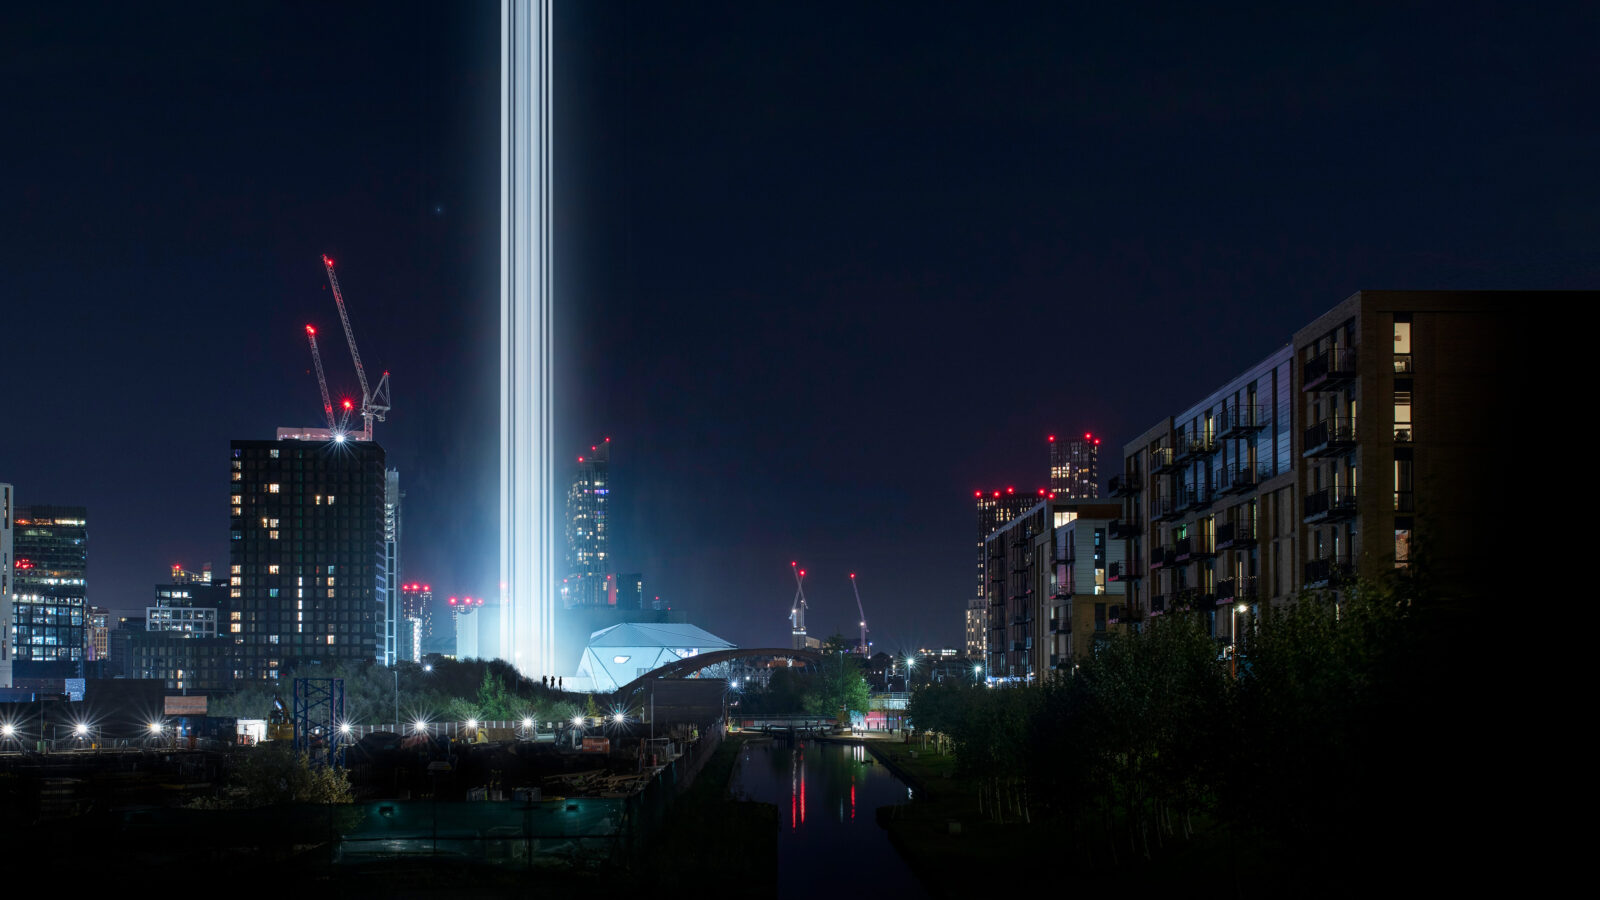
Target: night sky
{"x": 821, "y": 271}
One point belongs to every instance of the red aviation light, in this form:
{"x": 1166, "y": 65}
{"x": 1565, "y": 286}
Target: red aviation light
{"x": 1086, "y": 435}
{"x": 1052, "y": 495}
{"x": 852, "y": 574}
{"x": 480, "y": 601}
{"x": 427, "y": 587}
{"x": 997, "y": 495}
{"x": 1052, "y": 438}
{"x": 311, "y": 329}
{"x": 347, "y": 403}
{"x": 1011, "y": 490}
{"x": 1097, "y": 442}
{"x": 452, "y": 601}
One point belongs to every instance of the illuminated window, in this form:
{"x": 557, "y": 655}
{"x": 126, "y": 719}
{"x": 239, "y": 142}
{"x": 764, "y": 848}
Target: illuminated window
{"x": 272, "y": 453}
{"x": 330, "y": 638}
{"x": 238, "y": 476}
{"x": 236, "y": 569}
{"x": 330, "y": 499}
{"x": 272, "y": 535}
{"x": 235, "y": 628}
{"x": 236, "y": 592}
{"x": 330, "y": 592}
{"x": 273, "y": 488}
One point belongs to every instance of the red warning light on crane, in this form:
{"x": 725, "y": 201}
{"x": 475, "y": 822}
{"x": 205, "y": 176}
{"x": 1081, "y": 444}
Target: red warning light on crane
{"x": 347, "y": 403}
{"x": 311, "y": 329}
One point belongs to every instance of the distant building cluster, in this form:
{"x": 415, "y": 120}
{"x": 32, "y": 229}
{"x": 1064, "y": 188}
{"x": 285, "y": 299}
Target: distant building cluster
{"x": 1340, "y": 455}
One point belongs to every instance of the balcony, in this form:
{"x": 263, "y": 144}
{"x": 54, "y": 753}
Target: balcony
{"x": 1158, "y": 604}
{"x": 1240, "y": 590}
{"x": 1194, "y": 598}
{"x": 1117, "y": 615}
{"x": 1118, "y": 571}
{"x": 1198, "y": 447}
{"x": 1196, "y": 547}
{"x": 1333, "y": 435}
{"x": 1164, "y": 509}
{"x": 1241, "y": 479}
{"x": 1060, "y": 626}
{"x": 1330, "y": 504}
{"x": 1161, "y": 557}
{"x": 1123, "y": 529}
{"x": 1163, "y": 460}
{"x": 1330, "y": 370}
{"x": 1018, "y": 647}
{"x": 1243, "y": 421}
{"x": 1194, "y": 496}
{"x": 1327, "y": 573}
{"x": 1237, "y": 534}
{"x": 1124, "y": 485}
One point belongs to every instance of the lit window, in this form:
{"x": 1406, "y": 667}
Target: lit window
{"x": 236, "y": 592}
{"x": 235, "y": 628}
{"x": 330, "y": 638}
{"x": 272, "y": 535}
{"x": 330, "y": 499}
{"x": 236, "y": 499}
{"x": 238, "y": 476}
{"x": 273, "y": 488}
{"x": 272, "y": 453}
{"x": 236, "y": 581}
{"x": 272, "y": 569}
{"x": 237, "y": 569}
{"x": 330, "y": 592}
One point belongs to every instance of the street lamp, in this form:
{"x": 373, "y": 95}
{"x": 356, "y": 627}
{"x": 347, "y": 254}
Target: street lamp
{"x": 1233, "y": 654}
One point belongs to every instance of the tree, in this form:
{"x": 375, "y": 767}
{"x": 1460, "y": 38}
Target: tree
{"x": 839, "y": 684}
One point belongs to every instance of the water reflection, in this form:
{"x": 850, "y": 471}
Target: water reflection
{"x": 847, "y": 848}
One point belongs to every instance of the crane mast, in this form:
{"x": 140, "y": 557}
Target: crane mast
{"x": 863, "y": 647}
{"x": 374, "y": 402}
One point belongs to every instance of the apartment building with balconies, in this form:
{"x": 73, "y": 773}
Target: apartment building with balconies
{"x": 1207, "y": 518}
{"x": 1034, "y": 566}
{"x": 1085, "y": 596}
{"x": 1402, "y": 398}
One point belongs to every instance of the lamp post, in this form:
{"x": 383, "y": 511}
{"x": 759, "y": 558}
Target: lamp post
{"x": 1233, "y": 653}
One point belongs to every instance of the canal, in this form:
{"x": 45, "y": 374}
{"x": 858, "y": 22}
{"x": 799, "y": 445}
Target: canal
{"x": 827, "y": 797}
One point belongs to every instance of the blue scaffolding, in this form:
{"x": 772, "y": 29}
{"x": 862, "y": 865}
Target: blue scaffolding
{"x": 318, "y": 715}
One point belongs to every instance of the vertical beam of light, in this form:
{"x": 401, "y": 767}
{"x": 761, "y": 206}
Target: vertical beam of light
{"x": 526, "y": 464}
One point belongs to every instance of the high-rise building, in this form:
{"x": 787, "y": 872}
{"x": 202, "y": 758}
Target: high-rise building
{"x": 588, "y": 541}
{"x": 7, "y": 494}
{"x": 389, "y": 573}
{"x": 1075, "y": 467}
{"x": 307, "y": 553}
{"x": 50, "y": 591}
{"x": 416, "y": 619}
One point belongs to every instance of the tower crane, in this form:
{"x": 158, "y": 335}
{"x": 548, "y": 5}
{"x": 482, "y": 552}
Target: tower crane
{"x": 374, "y": 401}
{"x": 797, "y": 611}
{"x": 863, "y": 648}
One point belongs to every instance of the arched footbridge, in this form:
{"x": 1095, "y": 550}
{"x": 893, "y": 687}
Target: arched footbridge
{"x": 682, "y": 668}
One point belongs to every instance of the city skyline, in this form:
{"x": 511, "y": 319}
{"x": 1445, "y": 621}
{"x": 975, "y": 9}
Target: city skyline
{"x": 789, "y": 251}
